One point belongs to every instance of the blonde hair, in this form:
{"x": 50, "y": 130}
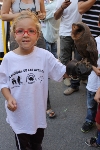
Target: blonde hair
{"x": 23, "y": 15}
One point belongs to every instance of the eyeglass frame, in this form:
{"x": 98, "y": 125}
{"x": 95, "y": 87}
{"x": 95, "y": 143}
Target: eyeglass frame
{"x": 26, "y": 31}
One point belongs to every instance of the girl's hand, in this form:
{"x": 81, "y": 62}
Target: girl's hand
{"x": 12, "y": 105}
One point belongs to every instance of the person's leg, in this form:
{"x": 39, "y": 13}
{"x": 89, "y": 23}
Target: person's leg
{"x": 65, "y": 49}
{"x": 50, "y": 112}
{"x": 30, "y": 142}
{"x": 48, "y": 102}
{"x": 91, "y": 112}
{"x": 78, "y": 57}
{"x": 91, "y": 107}
{"x": 23, "y": 142}
{"x": 36, "y": 139}
{"x": 74, "y": 84}
{"x": 54, "y": 49}
{"x": 48, "y": 45}
{"x": 93, "y": 141}
{"x": 65, "y": 56}
{"x": 98, "y": 135}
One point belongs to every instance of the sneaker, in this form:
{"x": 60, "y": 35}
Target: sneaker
{"x": 67, "y": 81}
{"x": 87, "y": 126}
{"x": 92, "y": 142}
{"x": 70, "y": 90}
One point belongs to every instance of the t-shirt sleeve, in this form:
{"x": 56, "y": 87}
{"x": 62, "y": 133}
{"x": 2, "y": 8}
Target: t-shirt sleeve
{"x": 56, "y": 69}
{"x": 3, "y": 74}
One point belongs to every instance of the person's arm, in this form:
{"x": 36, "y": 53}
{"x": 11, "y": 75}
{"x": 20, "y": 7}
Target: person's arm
{"x": 5, "y": 11}
{"x": 84, "y": 6}
{"x": 12, "y": 105}
{"x": 97, "y": 96}
{"x": 96, "y": 70}
{"x": 59, "y": 12}
{"x": 42, "y": 6}
{"x": 42, "y": 13}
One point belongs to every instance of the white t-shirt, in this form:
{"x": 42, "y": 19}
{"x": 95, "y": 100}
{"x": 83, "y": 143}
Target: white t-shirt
{"x": 94, "y": 80}
{"x": 70, "y": 16}
{"x": 27, "y": 78}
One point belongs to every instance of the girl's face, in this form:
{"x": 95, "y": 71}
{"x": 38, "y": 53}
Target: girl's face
{"x": 26, "y": 35}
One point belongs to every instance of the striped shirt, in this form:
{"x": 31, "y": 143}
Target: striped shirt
{"x": 91, "y": 18}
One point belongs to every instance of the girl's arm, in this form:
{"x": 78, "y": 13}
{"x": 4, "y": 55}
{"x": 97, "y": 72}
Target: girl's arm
{"x": 5, "y": 11}
{"x": 12, "y": 105}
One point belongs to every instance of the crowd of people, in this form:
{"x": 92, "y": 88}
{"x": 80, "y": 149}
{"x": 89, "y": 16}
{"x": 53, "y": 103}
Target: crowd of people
{"x": 36, "y": 27}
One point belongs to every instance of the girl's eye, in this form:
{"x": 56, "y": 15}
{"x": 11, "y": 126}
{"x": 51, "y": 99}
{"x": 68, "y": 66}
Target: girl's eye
{"x": 31, "y": 31}
{"x": 20, "y": 31}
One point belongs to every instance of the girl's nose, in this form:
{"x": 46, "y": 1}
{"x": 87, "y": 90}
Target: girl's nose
{"x": 25, "y": 33}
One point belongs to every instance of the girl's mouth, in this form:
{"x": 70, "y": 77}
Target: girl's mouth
{"x": 25, "y": 41}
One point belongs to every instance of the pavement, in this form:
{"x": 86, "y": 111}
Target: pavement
{"x": 62, "y": 132}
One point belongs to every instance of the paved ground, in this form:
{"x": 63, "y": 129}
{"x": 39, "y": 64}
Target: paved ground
{"x": 63, "y": 132}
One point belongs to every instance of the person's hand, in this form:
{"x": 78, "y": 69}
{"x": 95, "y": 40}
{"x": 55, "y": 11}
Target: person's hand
{"x": 65, "y": 4}
{"x": 12, "y": 105}
{"x": 97, "y": 96}
{"x": 97, "y": 70}
{"x": 41, "y": 16}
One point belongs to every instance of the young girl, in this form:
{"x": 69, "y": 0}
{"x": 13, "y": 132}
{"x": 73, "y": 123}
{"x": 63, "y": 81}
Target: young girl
{"x": 24, "y": 74}
{"x": 21, "y": 5}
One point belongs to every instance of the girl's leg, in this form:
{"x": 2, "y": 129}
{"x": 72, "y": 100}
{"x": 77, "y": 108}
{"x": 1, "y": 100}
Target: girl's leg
{"x": 30, "y": 142}
{"x": 23, "y": 142}
{"x": 36, "y": 139}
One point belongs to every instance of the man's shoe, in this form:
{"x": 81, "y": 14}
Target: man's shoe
{"x": 70, "y": 90}
{"x": 87, "y": 126}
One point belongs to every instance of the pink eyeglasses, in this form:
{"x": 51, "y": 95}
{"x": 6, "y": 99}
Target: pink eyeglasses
{"x": 21, "y": 31}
